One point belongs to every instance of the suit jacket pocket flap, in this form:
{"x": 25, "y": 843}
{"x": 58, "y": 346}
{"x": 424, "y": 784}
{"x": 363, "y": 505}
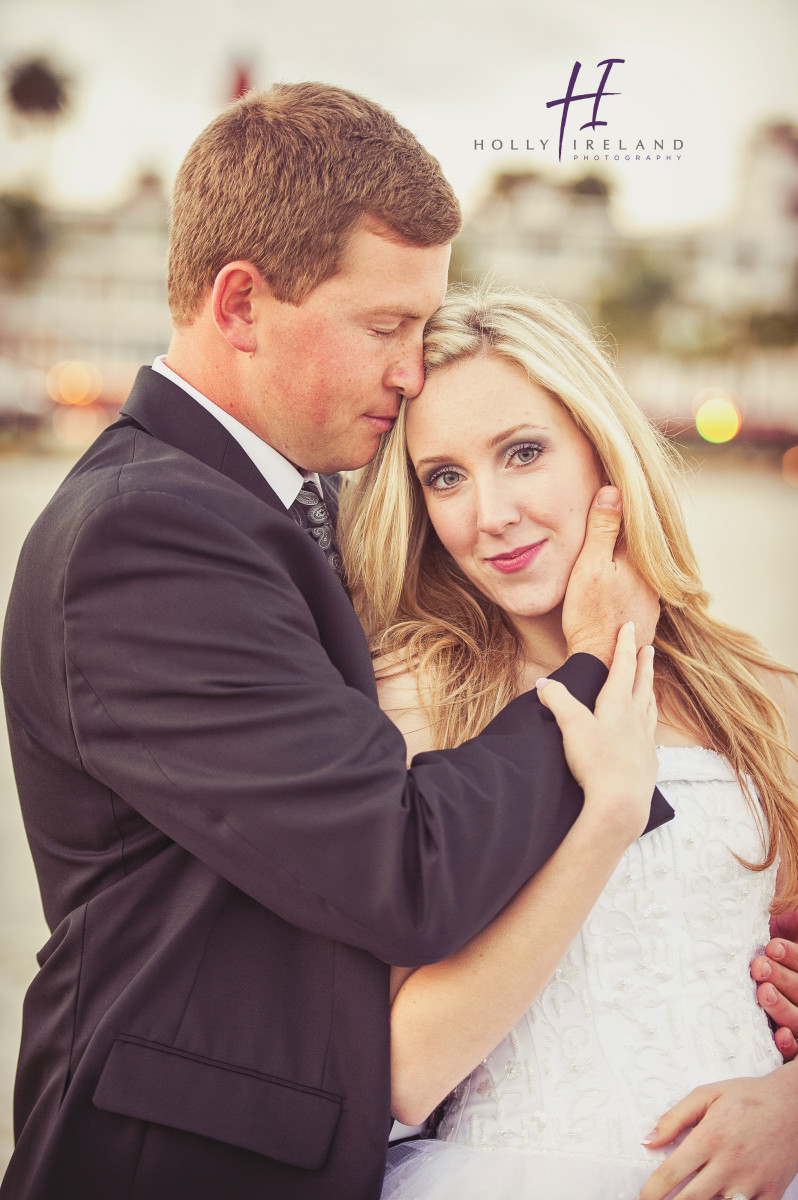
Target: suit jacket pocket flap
{"x": 281, "y": 1120}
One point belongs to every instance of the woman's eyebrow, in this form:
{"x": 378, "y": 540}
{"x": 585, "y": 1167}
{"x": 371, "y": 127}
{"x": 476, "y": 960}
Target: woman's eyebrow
{"x": 508, "y": 433}
{"x": 436, "y": 460}
{"x": 431, "y": 462}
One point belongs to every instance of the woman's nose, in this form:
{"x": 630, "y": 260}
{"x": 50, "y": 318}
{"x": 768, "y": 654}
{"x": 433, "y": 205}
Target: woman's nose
{"x": 496, "y": 508}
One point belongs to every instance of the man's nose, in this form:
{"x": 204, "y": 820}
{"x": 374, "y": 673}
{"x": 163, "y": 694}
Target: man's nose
{"x": 407, "y": 373}
{"x": 496, "y": 507}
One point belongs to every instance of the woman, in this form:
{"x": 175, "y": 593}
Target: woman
{"x": 458, "y": 549}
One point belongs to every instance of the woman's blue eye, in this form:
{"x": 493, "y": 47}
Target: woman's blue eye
{"x": 444, "y": 480}
{"x": 525, "y": 454}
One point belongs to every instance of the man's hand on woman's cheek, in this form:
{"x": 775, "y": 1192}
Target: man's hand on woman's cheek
{"x": 776, "y": 973}
{"x": 604, "y": 590}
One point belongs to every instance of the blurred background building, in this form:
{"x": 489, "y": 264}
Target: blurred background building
{"x": 706, "y": 314}
{"x": 82, "y": 293}
{"x": 80, "y": 310}
{"x": 713, "y": 309}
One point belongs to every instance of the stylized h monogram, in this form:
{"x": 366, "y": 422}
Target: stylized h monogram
{"x": 569, "y": 96}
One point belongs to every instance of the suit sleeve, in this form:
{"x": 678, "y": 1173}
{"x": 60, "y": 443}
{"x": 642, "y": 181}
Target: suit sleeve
{"x": 201, "y": 694}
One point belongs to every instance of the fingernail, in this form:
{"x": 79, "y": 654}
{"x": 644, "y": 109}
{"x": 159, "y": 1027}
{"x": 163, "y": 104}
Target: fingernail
{"x": 649, "y": 1136}
{"x": 541, "y": 683}
{"x": 651, "y": 650}
{"x": 609, "y": 497}
{"x": 778, "y": 951}
{"x": 764, "y": 970}
{"x": 630, "y": 625}
{"x": 769, "y": 995}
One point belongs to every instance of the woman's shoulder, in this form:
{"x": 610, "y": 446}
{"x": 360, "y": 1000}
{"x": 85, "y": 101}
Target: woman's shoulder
{"x": 397, "y": 683}
{"x": 401, "y": 699}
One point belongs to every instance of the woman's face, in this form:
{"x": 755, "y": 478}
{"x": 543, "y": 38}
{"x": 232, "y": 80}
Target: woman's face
{"x": 507, "y": 478}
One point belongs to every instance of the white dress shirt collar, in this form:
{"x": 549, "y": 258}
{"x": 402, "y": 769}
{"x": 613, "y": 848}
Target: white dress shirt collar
{"x": 281, "y": 475}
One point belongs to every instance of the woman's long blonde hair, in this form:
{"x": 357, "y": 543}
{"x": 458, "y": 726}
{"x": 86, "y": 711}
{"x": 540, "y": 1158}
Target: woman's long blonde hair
{"x": 416, "y": 604}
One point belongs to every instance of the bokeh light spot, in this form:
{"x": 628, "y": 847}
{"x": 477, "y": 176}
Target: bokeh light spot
{"x": 718, "y": 420}
{"x": 74, "y": 383}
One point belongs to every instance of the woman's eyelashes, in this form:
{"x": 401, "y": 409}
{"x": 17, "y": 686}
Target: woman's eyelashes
{"x": 524, "y": 453}
{"x": 445, "y": 479}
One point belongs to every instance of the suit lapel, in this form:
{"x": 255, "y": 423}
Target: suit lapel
{"x": 168, "y": 413}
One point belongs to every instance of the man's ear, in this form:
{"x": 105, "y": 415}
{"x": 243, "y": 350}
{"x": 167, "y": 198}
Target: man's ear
{"x": 236, "y": 290}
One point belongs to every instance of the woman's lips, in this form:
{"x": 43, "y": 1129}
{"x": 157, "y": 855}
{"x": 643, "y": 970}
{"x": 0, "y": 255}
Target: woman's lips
{"x": 515, "y": 560}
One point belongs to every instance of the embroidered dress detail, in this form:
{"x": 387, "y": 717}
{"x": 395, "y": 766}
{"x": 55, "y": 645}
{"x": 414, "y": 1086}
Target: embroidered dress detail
{"x": 652, "y": 999}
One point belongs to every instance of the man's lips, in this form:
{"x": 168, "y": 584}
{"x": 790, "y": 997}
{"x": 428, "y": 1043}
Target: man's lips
{"x": 382, "y": 423}
{"x": 515, "y": 560}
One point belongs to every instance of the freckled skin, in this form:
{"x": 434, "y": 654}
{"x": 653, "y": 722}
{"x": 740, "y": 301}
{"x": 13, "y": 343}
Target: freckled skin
{"x": 535, "y": 485}
{"x": 348, "y": 352}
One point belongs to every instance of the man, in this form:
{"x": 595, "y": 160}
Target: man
{"x": 228, "y": 844}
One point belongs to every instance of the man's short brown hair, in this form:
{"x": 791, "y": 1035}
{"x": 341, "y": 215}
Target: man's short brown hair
{"x": 281, "y": 178}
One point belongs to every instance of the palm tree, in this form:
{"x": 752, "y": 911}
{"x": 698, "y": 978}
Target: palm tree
{"x": 38, "y": 94}
{"x": 37, "y": 90}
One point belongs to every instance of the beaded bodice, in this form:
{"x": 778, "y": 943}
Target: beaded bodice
{"x": 653, "y": 998}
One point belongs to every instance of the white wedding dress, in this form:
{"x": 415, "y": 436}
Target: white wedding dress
{"x": 653, "y": 998}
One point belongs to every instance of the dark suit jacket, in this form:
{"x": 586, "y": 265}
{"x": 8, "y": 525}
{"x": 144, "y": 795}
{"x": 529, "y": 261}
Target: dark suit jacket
{"x": 229, "y": 846}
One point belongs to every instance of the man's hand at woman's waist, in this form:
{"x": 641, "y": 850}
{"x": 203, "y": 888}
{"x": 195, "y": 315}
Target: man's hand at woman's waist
{"x": 776, "y": 972}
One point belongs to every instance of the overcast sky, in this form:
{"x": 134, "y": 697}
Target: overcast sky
{"x": 150, "y": 73}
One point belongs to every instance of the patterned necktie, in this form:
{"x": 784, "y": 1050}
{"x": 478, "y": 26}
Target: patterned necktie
{"x": 310, "y": 512}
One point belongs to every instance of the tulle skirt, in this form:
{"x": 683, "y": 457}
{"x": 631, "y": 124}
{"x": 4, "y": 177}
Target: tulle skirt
{"x": 432, "y": 1170}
